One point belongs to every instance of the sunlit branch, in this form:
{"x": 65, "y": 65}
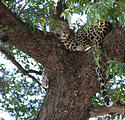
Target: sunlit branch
{"x": 100, "y": 111}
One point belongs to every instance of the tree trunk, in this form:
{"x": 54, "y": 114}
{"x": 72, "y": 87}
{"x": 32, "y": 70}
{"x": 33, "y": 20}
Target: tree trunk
{"x": 72, "y": 77}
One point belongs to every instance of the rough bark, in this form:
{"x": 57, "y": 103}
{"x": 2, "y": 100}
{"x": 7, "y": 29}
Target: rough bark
{"x": 73, "y": 82}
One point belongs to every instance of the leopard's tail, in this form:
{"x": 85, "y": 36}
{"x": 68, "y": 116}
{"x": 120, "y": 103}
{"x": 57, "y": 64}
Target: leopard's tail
{"x": 104, "y": 93}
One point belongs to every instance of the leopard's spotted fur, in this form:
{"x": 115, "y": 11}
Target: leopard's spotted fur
{"x": 94, "y": 34}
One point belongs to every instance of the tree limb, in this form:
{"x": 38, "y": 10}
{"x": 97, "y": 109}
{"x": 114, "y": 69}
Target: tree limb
{"x": 21, "y": 36}
{"x": 23, "y": 71}
{"x": 99, "y": 111}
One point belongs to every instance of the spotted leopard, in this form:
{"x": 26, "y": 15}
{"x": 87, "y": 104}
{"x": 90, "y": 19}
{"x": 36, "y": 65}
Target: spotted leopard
{"x": 83, "y": 39}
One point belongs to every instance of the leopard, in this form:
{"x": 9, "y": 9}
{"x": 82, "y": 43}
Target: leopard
{"x": 83, "y": 39}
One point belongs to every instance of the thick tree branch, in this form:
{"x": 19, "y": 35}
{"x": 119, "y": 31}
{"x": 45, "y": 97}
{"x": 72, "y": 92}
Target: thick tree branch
{"x": 100, "y": 111}
{"x": 26, "y": 39}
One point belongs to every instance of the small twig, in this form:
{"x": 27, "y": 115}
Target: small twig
{"x": 34, "y": 71}
{"x": 11, "y": 58}
{"x": 15, "y": 4}
{"x": 21, "y": 11}
{"x": 34, "y": 79}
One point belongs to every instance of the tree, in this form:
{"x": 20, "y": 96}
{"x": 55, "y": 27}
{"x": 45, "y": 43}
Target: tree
{"x": 73, "y": 81}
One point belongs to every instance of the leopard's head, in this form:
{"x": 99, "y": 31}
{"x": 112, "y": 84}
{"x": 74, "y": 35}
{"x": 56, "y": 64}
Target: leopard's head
{"x": 61, "y": 28}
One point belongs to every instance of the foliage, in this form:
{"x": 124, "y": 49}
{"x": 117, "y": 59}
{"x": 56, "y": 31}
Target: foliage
{"x": 114, "y": 68}
{"x": 36, "y": 12}
{"x": 20, "y": 96}
{"x": 113, "y": 116}
{"x": 17, "y": 90}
